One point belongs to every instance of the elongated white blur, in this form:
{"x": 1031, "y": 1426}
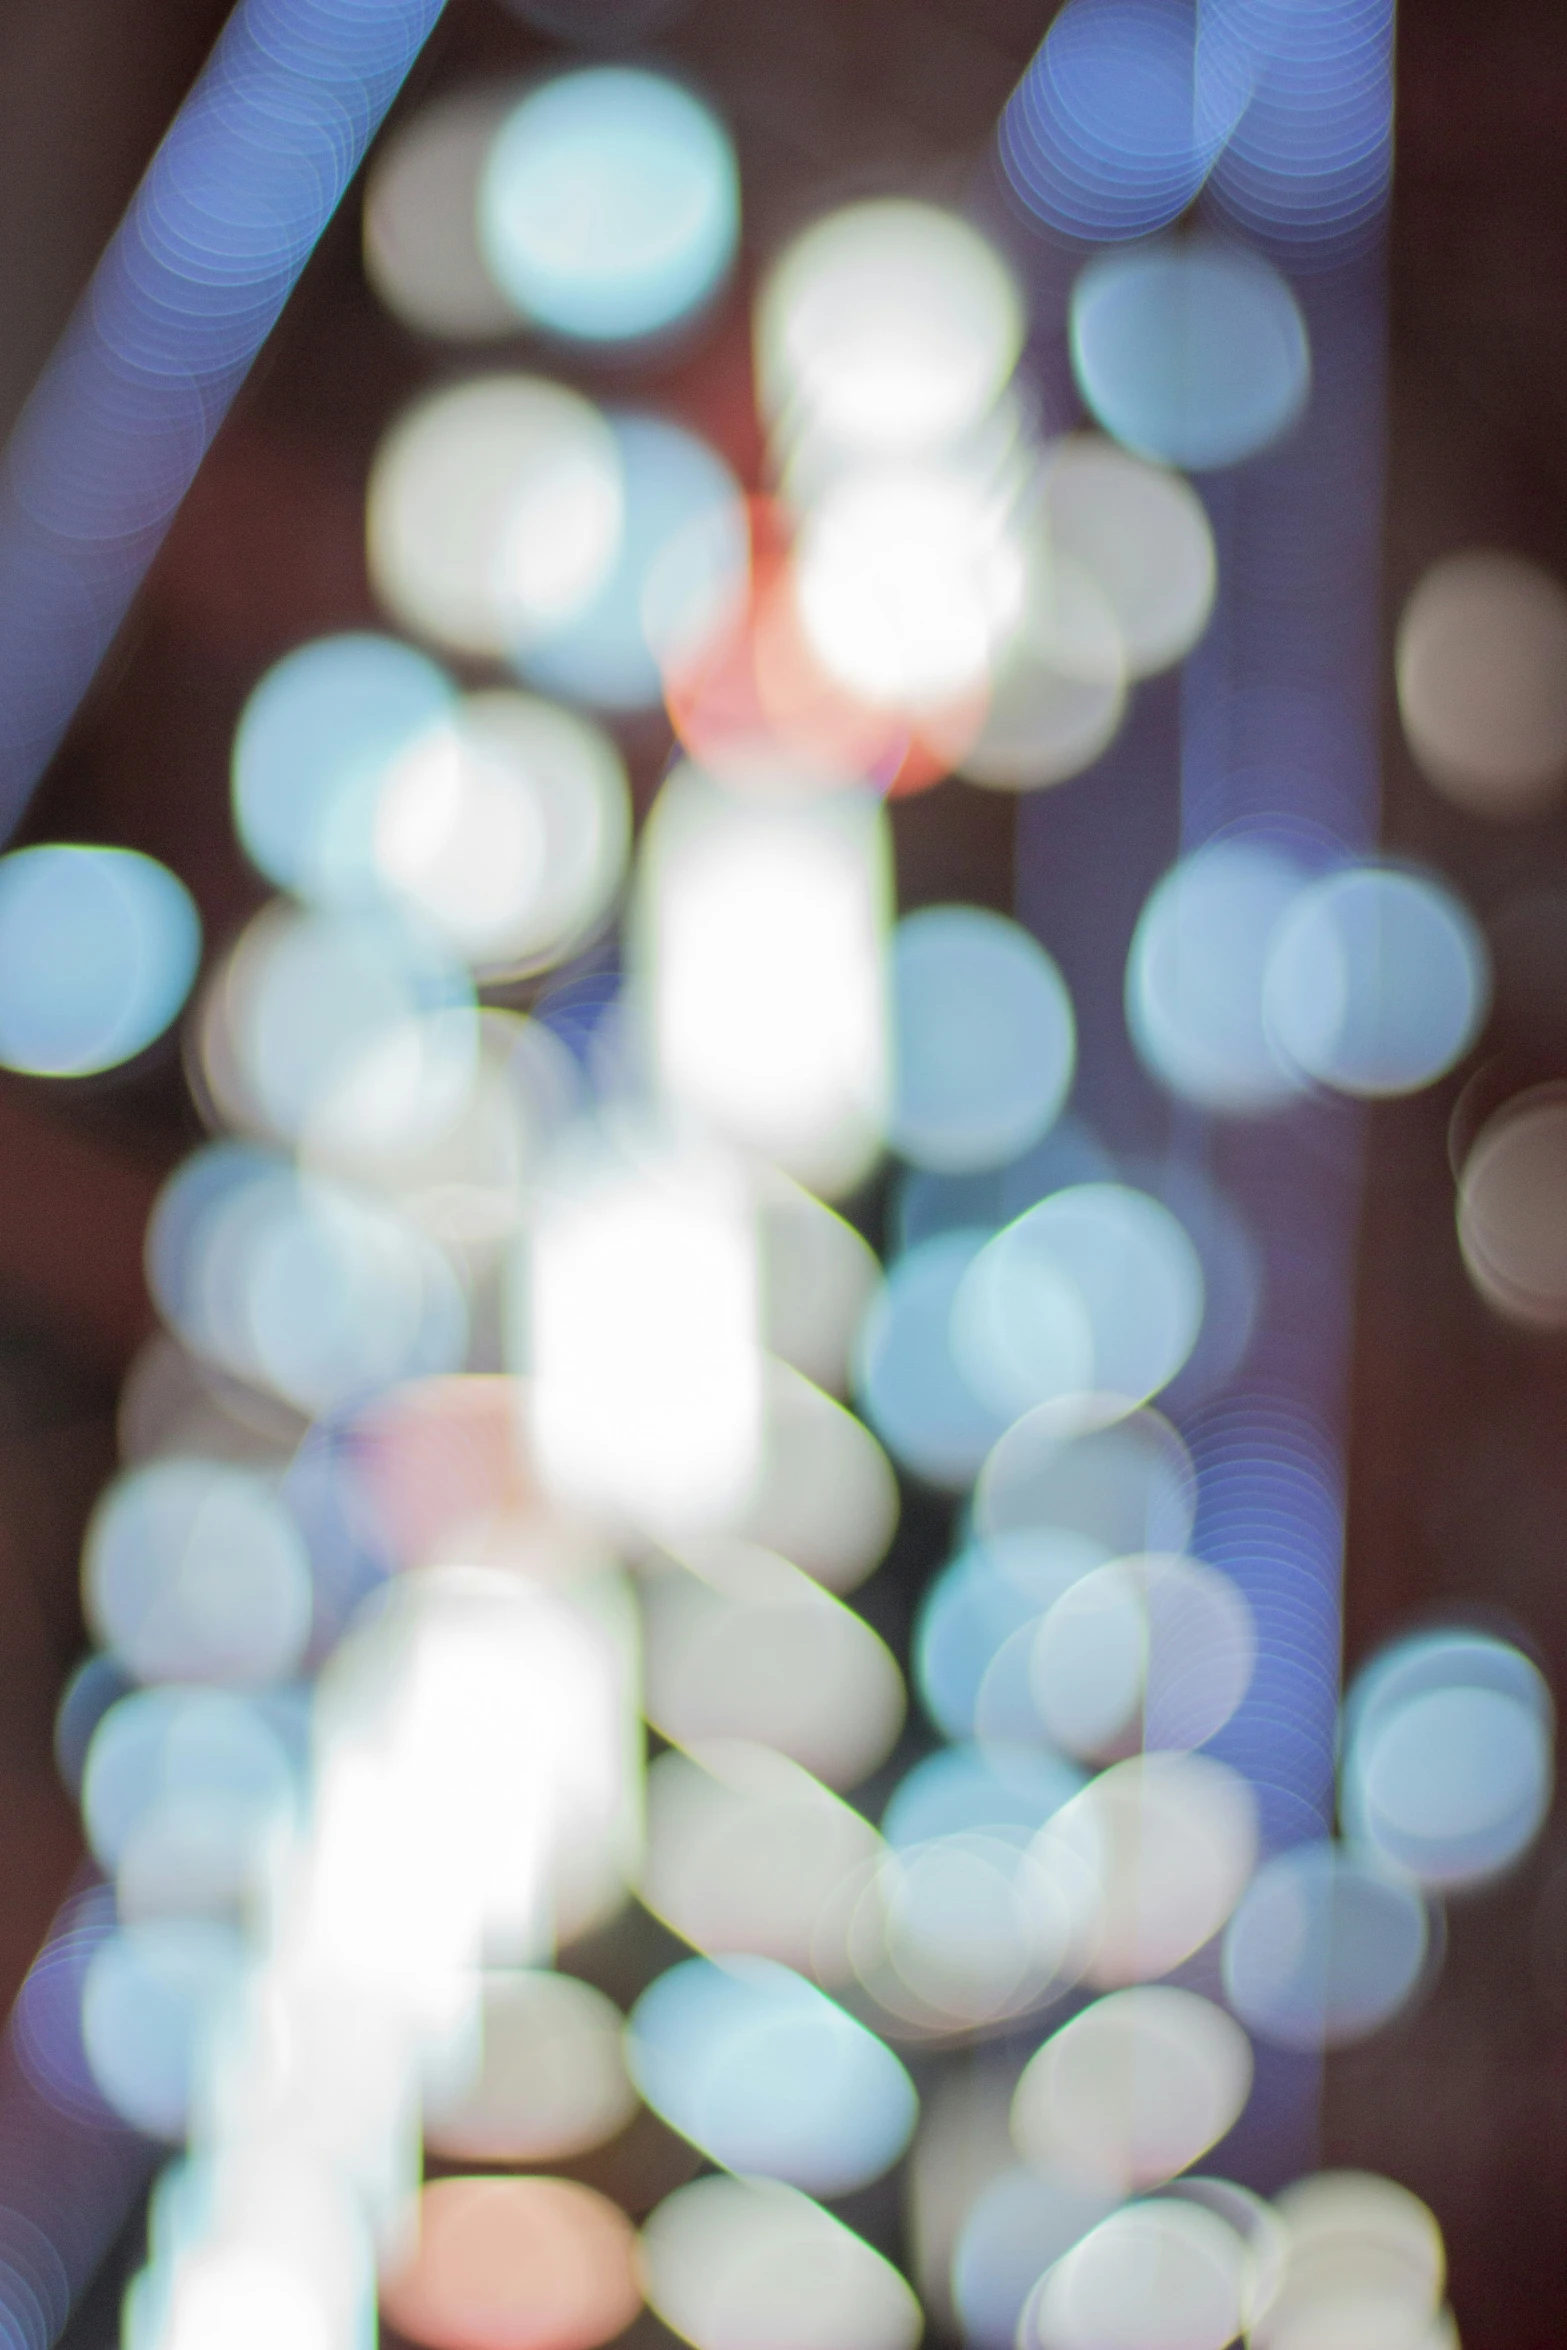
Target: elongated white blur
{"x": 640, "y": 1307}
{"x": 760, "y": 939}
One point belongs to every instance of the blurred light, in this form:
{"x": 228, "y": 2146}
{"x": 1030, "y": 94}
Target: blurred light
{"x": 825, "y": 1496}
{"x": 769, "y": 2077}
{"x": 1447, "y": 1757}
{"x": 315, "y": 744}
{"x": 506, "y": 832}
{"x": 971, "y": 1927}
{"x": 1308, "y": 162}
{"x": 297, "y": 1285}
{"x": 1116, "y": 124}
{"x": 1150, "y": 1651}
{"x": 153, "y": 1998}
{"x": 749, "y": 2264}
{"x": 1482, "y": 682}
{"x": 528, "y": 2264}
{"x": 1057, "y": 687}
{"x": 1170, "y": 1841}
{"x": 550, "y": 2078}
{"x": 98, "y": 949}
{"x": 1164, "y": 2275}
{"x": 761, "y": 944}
{"x": 97, "y": 1683}
{"x": 1128, "y": 1488}
{"x": 349, "y": 1033}
{"x": 1326, "y": 1947}
{"x": 1377, "y": 982}
{"x": 641, "y": 1318}
{"x": 988, "y": 1596}
{"x": 421, "y": 219}
{"x": 193, "y": 1571}
{"x": 45, "y": 2035}
{"x": 680, "y": 566}
{"x": 747, "y": 1852}
{"x": 1363, "y": 2263}
{"x": 1197, "y": 972}
{"x": 495, "y": 513}
{"x": 1511, "y": 1198}
{"x": 888, "y": 326}
{"x": 252, "y": 168}
{"x": 907, "y": 1376}
{"x": 818, "y": 1277}
{"x": 165, "y": 1757}
{"x": 1141, "y": 534}
{"x": 740, "y": 1644}
{"x": 909, "y": 582}
{"x": 1132, "y": 2090}
{"x": 1018, "y": 2226}
{"x": 1005, "y": 1792}
{"x": 610, "y": 204}
{"x": 1192, "y": 353}
{"x": 1097, "y": 1290}
{"x": 985, "y": 1040}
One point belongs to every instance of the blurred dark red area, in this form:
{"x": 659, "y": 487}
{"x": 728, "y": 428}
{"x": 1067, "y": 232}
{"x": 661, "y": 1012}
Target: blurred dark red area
{"x": 1459, "y": 1453}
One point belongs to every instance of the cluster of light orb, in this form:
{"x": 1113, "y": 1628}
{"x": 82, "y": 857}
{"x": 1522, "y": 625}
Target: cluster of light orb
{"x": 446, "y": 1297}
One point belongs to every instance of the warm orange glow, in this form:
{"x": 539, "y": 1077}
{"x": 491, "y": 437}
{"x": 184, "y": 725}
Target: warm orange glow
{"x": 514, "y": 2264}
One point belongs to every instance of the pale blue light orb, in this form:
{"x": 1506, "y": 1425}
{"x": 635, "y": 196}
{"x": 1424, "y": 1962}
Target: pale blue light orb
{"x": 1197, "y": 972}
{"x": 979, "y": 1603}
{"x": 610, "y": 204}
{"x": 152, "y": 2001}
{"x": 1447, "y": 1767}
{"x": 1191, "y": 352}
{"x": 906, "y": 1376}
{"x": 1377, "y": 982}
{"x": 684, "y": 554}
{"x": 98, "y": 950}
{"x": 1016, "y": 2228}
{"x": 985, "y": 1040}
{"x": 768, "y": 2076}
{"x": 314, "y": 747}
{"x": 194, "y": 1571}
{"x": 1005, "y": 1792}
{"x": 1327, "y": 1945}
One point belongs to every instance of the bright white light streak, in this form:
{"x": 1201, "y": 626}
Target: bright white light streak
{"x": 640, "y": 1317}
{"x": 761, "y": 938}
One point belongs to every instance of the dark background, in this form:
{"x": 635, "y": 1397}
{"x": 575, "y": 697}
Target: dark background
{"x": 1459, "y": 1444}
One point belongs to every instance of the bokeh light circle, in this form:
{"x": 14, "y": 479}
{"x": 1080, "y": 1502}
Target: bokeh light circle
{"x": 750, "y": 2264}
{"x": 514, "y": 2264}
{"x": 1482, "y": 682}
{"x": 1014, "y": 2230}
{"x": 315, "y": 744}
{"x": 1377, "y": 982}
{"x": 1197, "y": 973}
{"x": 768, "y": 2076}
{"x": 550, "y": 2079}
{"x": 494, "y": 513}
{"x": 421, "y": 219}
{"x": 610, "y": 204}
{"x": 1096, "y": 1290}
{"x": 992, "y": 1594}
{"x": 193, "y": 1571}
{"x": 1135, "y": 2088}
{"x": 907, "y": 1377}
{"x": 681, "y": 562}
{"x": 888, "y": 326}
{"x": 1129, "y": 1488}
{"x": 1447, "y": 1766}
{"x": 1326, "y": 1946}
{"x": 1161, "y": 2275}
{"x": 1192, "y": 353}
{"x": 985, "y": 1039}
{"x": 1170, "y": 1842}
{"x": 1142, "y": 534}
{"x": 1512, "y": 1209}
{"x": 152, "y": 2002}
{"x": 1144, "y": 1652}
{"x": 506, "y": 832}
{"x": 98, "y": 950}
